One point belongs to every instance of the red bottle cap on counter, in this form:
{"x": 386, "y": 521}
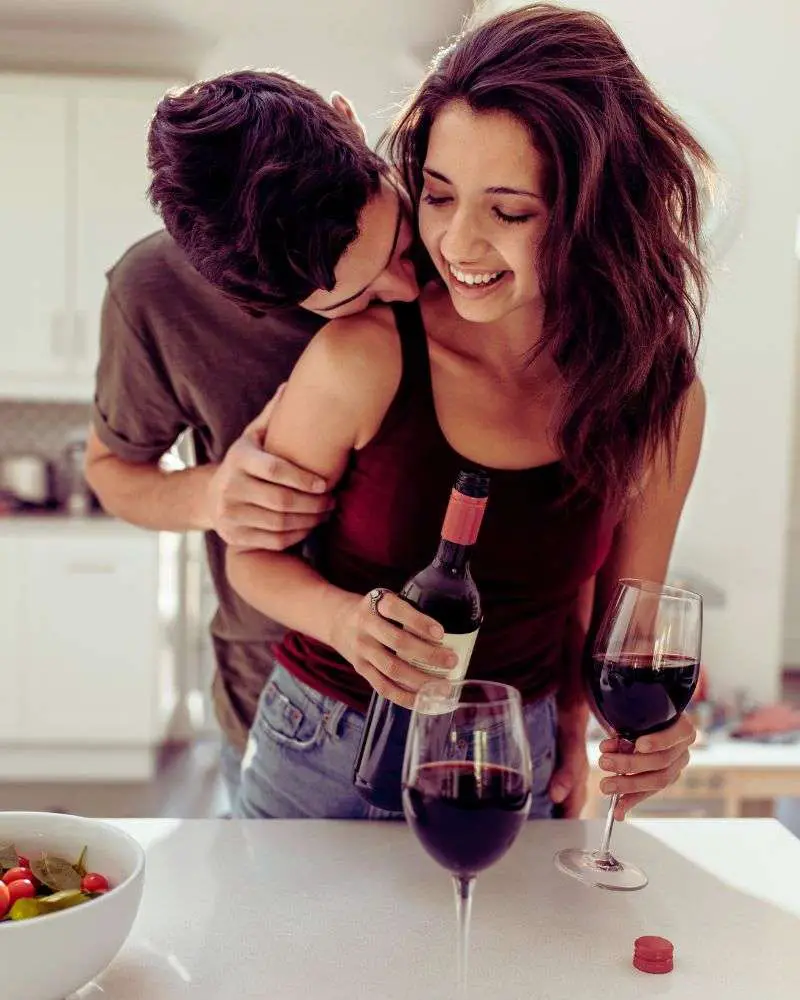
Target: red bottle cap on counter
{"x": 650, "y": 946}
{"x": 653, "y": 954}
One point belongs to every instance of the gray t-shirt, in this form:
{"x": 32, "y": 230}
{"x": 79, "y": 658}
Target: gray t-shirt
{"x": 176, "y": 354}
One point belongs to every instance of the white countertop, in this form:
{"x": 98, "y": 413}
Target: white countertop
{"x": 305, "y": 910}
{"x": 25, "y": 525}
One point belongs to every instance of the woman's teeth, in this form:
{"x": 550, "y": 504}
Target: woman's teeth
{"x": 475, "y": 279}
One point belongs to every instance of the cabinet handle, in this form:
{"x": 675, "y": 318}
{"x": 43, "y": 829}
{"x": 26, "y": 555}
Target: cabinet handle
{"x": 87, "y": 567}
{"x": 79, "y": 332}
{"x": 58, "y": 331}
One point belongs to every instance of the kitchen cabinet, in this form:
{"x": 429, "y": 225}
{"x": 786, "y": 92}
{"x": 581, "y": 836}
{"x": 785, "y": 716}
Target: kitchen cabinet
{"x": 73, "y": 198}
{"x": 91, "y": 628}
{"x": 92, "y": 634}
{"x": 10, "y": 691}
{"x": 33, "y": 224}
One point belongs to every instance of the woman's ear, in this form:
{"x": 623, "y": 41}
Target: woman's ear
{"x": 340, "y": 104}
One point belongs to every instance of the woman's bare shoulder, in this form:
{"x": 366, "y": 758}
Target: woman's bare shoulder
{"x": 357, "y": 362}
{"x": 355, "y": 345}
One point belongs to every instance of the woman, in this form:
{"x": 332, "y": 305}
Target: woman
{"x": 554, "y": 345}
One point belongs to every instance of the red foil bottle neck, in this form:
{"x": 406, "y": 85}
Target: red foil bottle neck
{"x": 463, "y": 518}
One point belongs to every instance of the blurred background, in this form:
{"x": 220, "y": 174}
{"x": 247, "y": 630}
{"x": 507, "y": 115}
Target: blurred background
{"x": 105, "y": 664}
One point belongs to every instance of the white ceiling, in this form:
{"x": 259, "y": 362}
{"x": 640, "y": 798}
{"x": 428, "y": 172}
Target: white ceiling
{"x": 179, "y": 37}
{"x": 103, "y": 36}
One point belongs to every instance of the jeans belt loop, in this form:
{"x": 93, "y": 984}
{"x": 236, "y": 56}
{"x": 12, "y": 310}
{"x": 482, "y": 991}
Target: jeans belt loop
{"x": 332, "y": 719}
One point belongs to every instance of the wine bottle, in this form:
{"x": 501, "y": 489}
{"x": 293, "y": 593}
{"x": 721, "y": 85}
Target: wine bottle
{"x": 445, "y": 591}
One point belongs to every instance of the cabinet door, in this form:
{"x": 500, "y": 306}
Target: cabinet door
{"x": 112, "y": 210}
{"x": 91, "y": 649}
{"x": 35, "y": 333}
{"x": 11, "y": 666}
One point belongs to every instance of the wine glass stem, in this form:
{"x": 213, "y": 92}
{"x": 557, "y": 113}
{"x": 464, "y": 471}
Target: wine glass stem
{"x": 624, "y": 746}
{"x": 464, "y": 887}
{"x": 604, "y": 847}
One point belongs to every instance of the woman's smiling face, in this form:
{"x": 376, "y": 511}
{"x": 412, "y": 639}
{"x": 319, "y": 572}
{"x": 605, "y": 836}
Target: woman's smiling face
{"x": 482, "y": 211}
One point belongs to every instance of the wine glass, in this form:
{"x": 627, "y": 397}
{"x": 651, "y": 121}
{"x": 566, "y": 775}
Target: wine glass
{"x": 466, "y": 782}
{"x": 642, "y": 674}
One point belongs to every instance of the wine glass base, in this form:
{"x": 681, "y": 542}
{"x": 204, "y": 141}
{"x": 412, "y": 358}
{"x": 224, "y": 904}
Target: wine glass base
{"x": 592, "y": 868}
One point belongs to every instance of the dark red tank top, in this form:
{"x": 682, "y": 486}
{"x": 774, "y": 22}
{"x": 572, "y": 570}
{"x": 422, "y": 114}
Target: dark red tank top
{"x": 534, "y": 551}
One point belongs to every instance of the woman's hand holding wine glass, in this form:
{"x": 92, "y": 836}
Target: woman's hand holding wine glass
{"x": 642, "y": 674}
{"x": 656, "y": 763}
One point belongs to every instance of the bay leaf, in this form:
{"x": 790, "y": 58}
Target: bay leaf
{"x": 57, "y": 873}
{"x": 8, "y": 856}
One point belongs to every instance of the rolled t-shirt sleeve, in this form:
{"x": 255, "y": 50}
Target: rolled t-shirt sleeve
{"x": 135, "y": 413}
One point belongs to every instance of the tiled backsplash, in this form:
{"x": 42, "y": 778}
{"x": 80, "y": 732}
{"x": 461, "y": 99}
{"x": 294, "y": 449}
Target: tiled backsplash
{"x": 43, "y": 428}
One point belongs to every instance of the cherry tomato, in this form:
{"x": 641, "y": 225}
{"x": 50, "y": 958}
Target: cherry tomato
{"x": 23, "y": 861}
{"x": 92, "y": 882}
{"x": 13, "y": 874}
{"x": 5, "y": 899}
{"x": 21, "y": 888}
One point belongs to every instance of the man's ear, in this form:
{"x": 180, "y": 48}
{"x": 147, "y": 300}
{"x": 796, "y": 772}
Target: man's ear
{"x": 340, "y": 104}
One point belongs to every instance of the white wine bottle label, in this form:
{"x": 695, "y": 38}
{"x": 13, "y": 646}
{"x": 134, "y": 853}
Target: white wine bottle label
{"x": 462, "y": 644}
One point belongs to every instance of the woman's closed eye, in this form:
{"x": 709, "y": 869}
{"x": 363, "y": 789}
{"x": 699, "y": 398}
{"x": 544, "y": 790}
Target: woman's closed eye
{"x": 435, "y": 201}
{"x": 432, "y": 199}
{"x": 512, "y": 219}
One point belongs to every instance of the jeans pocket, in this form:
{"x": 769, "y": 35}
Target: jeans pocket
{"x": 286, "y": 716}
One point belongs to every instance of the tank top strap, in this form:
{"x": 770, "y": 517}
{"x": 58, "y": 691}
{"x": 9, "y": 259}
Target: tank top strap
{"x": 415, "y": 381}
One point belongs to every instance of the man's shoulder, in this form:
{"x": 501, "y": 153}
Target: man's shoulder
{"x": 155, "y": 259}
{"x": 154, "y": 283}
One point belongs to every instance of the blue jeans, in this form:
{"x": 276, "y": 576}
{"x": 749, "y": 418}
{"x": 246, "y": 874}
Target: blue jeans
{"x": 230, "y": 769}
{"x": 299, "y": 759}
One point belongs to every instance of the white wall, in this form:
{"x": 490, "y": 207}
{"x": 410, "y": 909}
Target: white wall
{"x": 373, "y": 51}
{"x": 791, "y": 606}
{"x": 737, "y": 62}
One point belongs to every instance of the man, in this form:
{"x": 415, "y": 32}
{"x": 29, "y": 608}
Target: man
{"x": 278, "y": 217}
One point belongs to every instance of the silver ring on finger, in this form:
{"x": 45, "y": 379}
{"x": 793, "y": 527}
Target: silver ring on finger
{"x": 375, "y": 596}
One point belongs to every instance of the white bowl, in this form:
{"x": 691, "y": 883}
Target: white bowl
{"x": 49, "y": 957}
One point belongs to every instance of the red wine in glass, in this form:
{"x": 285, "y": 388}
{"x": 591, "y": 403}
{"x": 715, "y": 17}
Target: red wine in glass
{"x": 467, "y": 817}
{"x": 636, "y": 695}
{"x": 644, "y": 669}
{"x": 466, "y": 782}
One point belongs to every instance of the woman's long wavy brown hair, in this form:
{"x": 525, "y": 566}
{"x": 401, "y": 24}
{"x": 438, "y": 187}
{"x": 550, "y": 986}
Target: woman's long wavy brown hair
{"x": 620, "y": 265}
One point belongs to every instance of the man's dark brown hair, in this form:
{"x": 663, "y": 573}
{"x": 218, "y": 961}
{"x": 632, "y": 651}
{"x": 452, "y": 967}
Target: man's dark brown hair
{"x": 261, "y": 183}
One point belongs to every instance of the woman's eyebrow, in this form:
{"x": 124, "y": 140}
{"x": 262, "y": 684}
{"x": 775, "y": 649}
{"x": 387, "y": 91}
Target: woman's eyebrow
{"x": 490, "y": 190}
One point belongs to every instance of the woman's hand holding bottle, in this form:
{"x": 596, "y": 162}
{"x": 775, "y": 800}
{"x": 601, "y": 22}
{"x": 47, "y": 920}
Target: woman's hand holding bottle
{"x": 382, "y": 636}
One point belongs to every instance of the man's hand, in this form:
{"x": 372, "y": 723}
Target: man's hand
{"x": 657, "y": 762}
{"x": 568, "y": 784}
{"x": 260, "y": 501}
